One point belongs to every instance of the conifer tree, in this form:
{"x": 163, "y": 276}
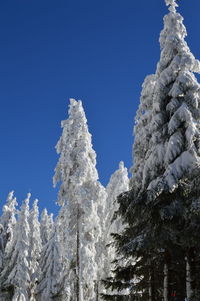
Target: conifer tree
{"x": 35, "y": 246}
{"x": 46, "y": 226}
{"x": 7, "y": 226}
{"x": 51, "y": 280}
{"x": 166, "y": 155}
{"x": 16, "y": 272}
{"x": 167, "y": 132}
{"x": 82, "y": 199}
{"x": 8, "y": 222}
{"x": 119, "y": 183}
{"x": 167, "y": 122}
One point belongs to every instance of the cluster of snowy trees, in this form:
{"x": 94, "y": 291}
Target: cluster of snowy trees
{"x": 66, "y": 258}
{"x": 131, "y": 240}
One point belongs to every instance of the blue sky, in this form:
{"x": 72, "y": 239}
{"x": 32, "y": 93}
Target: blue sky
{"x": 96, "y": 51}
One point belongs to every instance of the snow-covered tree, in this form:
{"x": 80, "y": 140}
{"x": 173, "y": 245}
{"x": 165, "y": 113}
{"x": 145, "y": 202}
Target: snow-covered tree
{"x": 7, "y": 222}
{"x": 166, "y": 160}
{"x": 7, "y": 229}
{"x": 82, "y": 199}
{"x": 46, "y": 226}
{"x": 119, "y": 183}
{"x": 51, "y": 280}
{"x": 16, "y": 272}
{"x": 75, "y": 149}
{"x": 167, "y": 131}
{"x": 35, "y": 245}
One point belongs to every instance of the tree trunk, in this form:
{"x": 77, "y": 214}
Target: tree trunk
{"x": 188, "y": 279}
{"x": 151, "y": 285}
{"x": 166, "y": 283}
{"x": 78, "y": 269}
{"x": 150, "y": 289}
{"x": 97, "y": 290}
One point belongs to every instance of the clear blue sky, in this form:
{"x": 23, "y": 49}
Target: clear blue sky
{"x": 96, "y": 51}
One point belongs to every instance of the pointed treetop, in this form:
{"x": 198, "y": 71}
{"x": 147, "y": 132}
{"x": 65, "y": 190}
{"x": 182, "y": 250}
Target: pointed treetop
{"x": 77, "y": 162}
{"x": 10, "y": 196}
{"x": 27, "y": 200}
{"x": 28, "y": 196}
{"x": 172, "y": 4}
{"x": 121, "y": 165}
{"x": 11, "y": 200}
{"x": 35, "y": 203}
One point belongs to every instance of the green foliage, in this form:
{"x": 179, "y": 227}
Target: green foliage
{"x": 159, "y": 232}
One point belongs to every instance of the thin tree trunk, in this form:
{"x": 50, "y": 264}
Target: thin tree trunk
{"x": 150, "y": 289}
{"x": 188, "y": 279}
{"x": 166, "y": 283}
{"x": 97, "y": 290}
{"x": 77, "y": 256}
{"x": 151, "y": 285}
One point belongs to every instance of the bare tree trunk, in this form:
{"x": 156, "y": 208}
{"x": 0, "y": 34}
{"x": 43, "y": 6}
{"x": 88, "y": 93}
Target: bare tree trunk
{"x": 78, "y": 283}
{"x": 166, "y": 283}
{"x": 151, "y": 285}
{"x": 188, "y": 279}
{"x": 150, "y": 289}
{"x": 97, "y": 290}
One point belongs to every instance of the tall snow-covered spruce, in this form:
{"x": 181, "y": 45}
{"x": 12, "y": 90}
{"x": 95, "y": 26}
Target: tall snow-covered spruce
{"x": 46, "y": 226}
{"x": 7, "y": 222}
{"x": 7, "y": 228}
{"x": 166, "y": 163}
{"x": 167, "y": 131}
{"x": 35, "y": 246}
{"x": 51, "y": 278}
{"x": 82, "y": 199}
{"x": 16, "y": 272}
{"x": 119, "y": 183}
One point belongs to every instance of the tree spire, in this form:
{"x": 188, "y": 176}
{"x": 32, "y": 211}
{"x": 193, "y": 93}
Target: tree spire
{"x": 163, "y": 132}
{"x": 172, "y": 5}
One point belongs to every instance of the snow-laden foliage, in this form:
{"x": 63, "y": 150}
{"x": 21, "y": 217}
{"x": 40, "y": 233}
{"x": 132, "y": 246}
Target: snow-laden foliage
{"x": 16, "y": 272}
{"x": 35, "y": 245}
{"x": 173, "y": 4}
{"x": 119, "y": 183}
{"x": 161, "y": 210}
{"x": 82, "y": 199}
{"x": 46, "y": 226}
{"x": 75, "y": 149}
{"x": 51, "y": 282}
{"x": 167, "y": 131}
{"x": 155, "y": 245}
{"x": 7, "y": 224}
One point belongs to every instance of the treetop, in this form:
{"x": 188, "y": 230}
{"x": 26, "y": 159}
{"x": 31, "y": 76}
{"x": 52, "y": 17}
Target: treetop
{"x": 172, "y": 5}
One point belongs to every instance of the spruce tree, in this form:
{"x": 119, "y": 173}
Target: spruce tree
{"x": 51, "y": 280}
{"x": 35, "y": 246}
{"x": 167, "y": 132}
{"x": 16, "y": 272}
{"x": 166, "y": 155}
{"x": 46, "y": 226}
{"x": 7, "y": 225}
{"x": 82, "y": 199}
{"x": 118, "y": 183}
{"x": 7, "y": 222}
